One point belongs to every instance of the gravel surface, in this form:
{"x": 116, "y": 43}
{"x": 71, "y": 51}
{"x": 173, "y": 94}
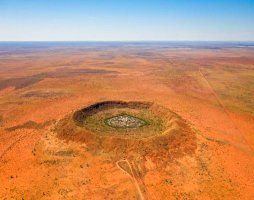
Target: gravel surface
{"x": 125, "y": 121}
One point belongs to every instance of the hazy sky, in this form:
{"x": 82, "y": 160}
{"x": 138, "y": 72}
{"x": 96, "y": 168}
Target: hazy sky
{"x": 114, "y": 20}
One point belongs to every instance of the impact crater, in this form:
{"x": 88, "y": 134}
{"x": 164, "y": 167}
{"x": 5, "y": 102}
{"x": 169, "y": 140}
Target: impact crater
{"x": 129, "y": 130}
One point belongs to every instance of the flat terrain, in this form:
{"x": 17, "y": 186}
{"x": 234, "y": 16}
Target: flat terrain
{"x": 201, "y": 137}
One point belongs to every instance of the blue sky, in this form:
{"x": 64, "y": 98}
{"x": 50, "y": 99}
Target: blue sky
{"x": 127, "y": 20}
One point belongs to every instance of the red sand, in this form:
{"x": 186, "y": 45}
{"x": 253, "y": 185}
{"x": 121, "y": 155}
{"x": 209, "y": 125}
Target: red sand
{"x": 195, "y": 84}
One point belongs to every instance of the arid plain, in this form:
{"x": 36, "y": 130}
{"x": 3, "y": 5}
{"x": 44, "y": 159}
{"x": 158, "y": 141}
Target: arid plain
{"x": 198, "y": 144}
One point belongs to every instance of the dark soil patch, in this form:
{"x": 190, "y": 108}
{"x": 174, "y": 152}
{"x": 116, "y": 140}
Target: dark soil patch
{"x": 65, "y": 153}
{"x": 22, "y": 82}
{"x": 30, "y": 125}
{"x": 42, "y": 94}
{"x": 19, "y": 83}
{"x": 1, "y": 120}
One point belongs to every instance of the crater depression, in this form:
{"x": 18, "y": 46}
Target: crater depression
{"x": 129, "y": 129}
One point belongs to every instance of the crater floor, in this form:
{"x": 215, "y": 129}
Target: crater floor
{"x": 125, "y": 121}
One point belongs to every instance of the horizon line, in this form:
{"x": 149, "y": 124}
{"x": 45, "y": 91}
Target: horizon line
{"x": 126, "y": 40}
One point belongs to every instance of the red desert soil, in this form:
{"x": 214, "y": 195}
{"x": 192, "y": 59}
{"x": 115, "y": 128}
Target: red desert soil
{"x": 212, "y": 90}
